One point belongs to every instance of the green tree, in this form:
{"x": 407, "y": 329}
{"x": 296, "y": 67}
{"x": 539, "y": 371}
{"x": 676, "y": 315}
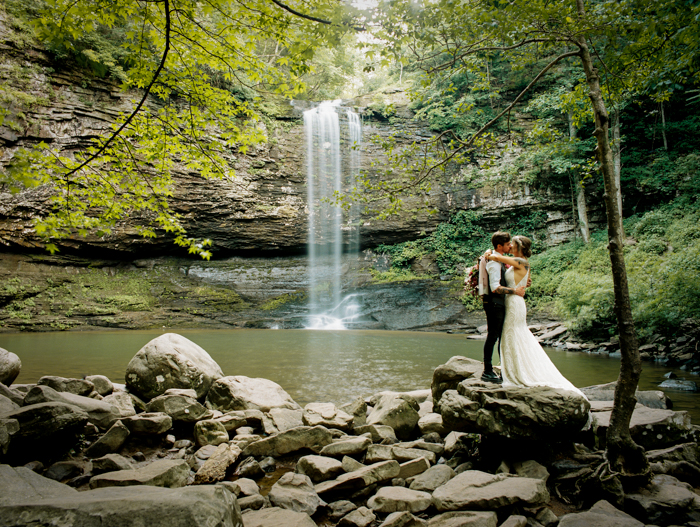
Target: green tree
{"x": 192, "y": 67}
{"x": 453, "y": 38}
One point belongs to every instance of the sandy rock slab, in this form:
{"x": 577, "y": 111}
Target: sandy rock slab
{"x": 476, "y": 490}
{"x": 118, "y": 506}
{"x": 277, "y": 517}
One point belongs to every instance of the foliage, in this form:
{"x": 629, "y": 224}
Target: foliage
{"x": 191, "y": 64}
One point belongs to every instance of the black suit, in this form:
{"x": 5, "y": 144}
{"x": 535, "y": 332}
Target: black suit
{"x": 495, "y": 308}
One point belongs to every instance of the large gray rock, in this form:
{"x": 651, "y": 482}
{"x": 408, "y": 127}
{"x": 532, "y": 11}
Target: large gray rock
{"x": 7, "y": 405}
{"x": 45, "y": 429}
{"x": 22, "y": 484}
{"x": 665, "y": 501}
{"x": 179, "y": 407}
{"x": 432, "y": 478}
{"x": 150, "y": 423}
{"x": 295, "y": 492}
{"x": 349, "y": 446}
{"x": 313, "y": 438}
{"x": 171, "y": 361}
{"x": 277, "y": 517}
{"x": 123, "y": 402}
{"x": 111, "y": 441}
{"x": 210, "y": 432}
{"x": 13, "y": 395}
{"x": 466, "y": 519}
{"x": 214, "y": 469}
{"x": 102, "y": 384}
{"x": 203, "y": 506}
{"x": 69, "y": 385}
{"x": 538, "y": 414}
{"x": 402, "y": 519}
{"x": 319, "y": 468}
{"x": 447, "y": 376}
{"x": 8, "y": 428}
{"x": 10, "y": 366}
{"x": 602, "y": 514}
{"x": 361, "y": 478}
{"x": 413, "y": 467}
{"x": 477, "y": 490}
{"x": 285, "y": 419}
{"x": 384, "y": 452}
{"x": 100, "y": 413}
{"x": 398, "y": 411}
{"x": 393, "y": 499}
{"x": 606, "y": 392}
{"x": 650, "y": 428}
{"x": 431, "y": 422}
{"x": 110, "y": 463}
{"x": 242, "y": 393}
{"x": 170, "y": 473}
{"x": 360, "y": 517}
{"x": 328, "y": 415}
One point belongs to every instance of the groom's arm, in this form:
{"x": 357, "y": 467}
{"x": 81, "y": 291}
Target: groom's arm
{"x": 503, "y": 290}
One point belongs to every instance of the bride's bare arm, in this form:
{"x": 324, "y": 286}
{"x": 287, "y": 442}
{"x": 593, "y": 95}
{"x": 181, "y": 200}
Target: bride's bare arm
{"x": 518, "y": 263}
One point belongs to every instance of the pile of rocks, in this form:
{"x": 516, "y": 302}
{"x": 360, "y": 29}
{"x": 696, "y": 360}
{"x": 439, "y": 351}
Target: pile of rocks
{"x": 182, "y": 444}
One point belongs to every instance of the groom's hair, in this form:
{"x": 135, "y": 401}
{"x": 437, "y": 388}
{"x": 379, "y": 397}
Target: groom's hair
{"x": 499, "y": 238}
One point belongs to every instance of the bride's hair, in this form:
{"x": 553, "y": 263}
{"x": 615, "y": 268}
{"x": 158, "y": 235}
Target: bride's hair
{"x": 524, "y": 245}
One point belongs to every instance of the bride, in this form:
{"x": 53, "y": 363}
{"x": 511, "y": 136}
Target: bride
{"x": 523, "y": 361}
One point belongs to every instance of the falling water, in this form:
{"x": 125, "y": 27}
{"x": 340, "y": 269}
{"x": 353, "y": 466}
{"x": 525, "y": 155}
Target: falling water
{"x": 327, "y": 176}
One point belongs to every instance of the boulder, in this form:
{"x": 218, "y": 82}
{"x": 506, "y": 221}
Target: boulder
{"x": 63, "y": 384}
{"x": 101, "y": 414}
{"x": 379, "y": 433}
{"x": 358, "y": 410}
{"x": 110, "y": 442}
{"x": 650, "y": 428}
{"x": 150, "y": 423}
{"x": 180, "y": 408}
{"x": 22, "y": 484}
{"x": 123, "y": 402}
{"x": 171, "y": 361}
{"x": 313, "y": 438}
{"x": 326, "y": 414}
{"x": 360, "y": 517}
{"x": 477, "y": 490}
{"x": 46, "y": 428}
{"x": 232, "y": 421}
{"x": 602, "y": 514}
{"x": 12, "y": 394}
{"x": 277, "y": 517}
{"x": 606, "y": 392}
{"x": 243, "y": 393}
{"x": 349, "y": 446}
{"x": 413, "y": 467}
{"x": 8, "y": 428}
{"x": 665, "y": 501}
{"x": 283, "y": 419}
{"x": 249, "y": 468}
{"x": 171, "y": 473}
{"x": 214, "y": 469}
{"x": 340, "y": 508}
{"x": 447, "y": 376}
{"x": 202, "y": 506}
{"x": 361, "y": 478}
{"x": 10, "y": 366}
{"x": 531, "y": 469}
{"x": 102, "y": 384}
{"x": 432, "y": 478}
{"x": 468, "y": 519}
{"x": 393, "y": 499}
{"x": 384, "y": 452}
{"x": 295, "y": 492}
{"x": 110, "y": 463}
{"x": 319, "y": 468}
{"x": 398, "y": 411}
{"x": 431, "y": 422}
{"x": 63, "y": 470}
{"x": 533, "y": 413}
{"x": 402, "y": 519}
{"x": 7, "y": 405}
{"x": 246, "y": 487}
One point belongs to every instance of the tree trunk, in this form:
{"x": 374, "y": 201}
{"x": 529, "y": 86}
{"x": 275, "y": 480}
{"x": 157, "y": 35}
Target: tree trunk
{"x": 581, "y": 206}
{"x": 623, "y": 455}
{"x": 663, "y": 125}
{"x": 617, "y": 160}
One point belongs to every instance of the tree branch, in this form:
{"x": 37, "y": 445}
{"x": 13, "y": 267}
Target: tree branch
{"x": 312, "y": 18}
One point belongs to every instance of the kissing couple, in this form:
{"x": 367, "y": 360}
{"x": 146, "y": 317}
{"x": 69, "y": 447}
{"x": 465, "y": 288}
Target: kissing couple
{"x": 523, "y": 361}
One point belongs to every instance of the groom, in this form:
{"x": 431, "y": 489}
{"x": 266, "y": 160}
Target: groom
{"x": 495, "y": 303}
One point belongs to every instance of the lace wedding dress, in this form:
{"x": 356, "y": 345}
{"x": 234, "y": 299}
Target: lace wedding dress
{"x": 523, "y": 361}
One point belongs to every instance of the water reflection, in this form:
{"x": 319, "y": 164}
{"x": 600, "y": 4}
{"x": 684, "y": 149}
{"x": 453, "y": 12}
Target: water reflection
{"x": 334, "y": 366}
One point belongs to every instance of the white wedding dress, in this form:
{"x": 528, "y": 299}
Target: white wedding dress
{"x": 523, "y": 361}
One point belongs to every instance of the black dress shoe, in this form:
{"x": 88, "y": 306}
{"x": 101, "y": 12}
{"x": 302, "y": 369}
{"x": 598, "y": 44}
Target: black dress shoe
{"x": 491, "y": 377}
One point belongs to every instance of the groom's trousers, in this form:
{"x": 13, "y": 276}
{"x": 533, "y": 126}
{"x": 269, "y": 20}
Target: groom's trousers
{"x": 495, "y": 315}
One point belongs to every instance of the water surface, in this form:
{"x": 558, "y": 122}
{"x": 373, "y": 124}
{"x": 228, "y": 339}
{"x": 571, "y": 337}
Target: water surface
{"x": 325, "y": 366}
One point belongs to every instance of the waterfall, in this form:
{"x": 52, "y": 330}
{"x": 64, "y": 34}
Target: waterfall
{"x": 330, "y": 170}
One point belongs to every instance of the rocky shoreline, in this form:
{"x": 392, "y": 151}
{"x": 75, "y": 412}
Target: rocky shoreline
{"x": 182, "y": 444}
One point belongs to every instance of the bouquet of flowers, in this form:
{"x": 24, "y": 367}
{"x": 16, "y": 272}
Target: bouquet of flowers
{"x": 471, "y": 281}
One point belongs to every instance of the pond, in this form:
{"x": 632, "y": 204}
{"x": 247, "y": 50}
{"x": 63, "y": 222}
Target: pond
{"x": 324, "y": 366}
